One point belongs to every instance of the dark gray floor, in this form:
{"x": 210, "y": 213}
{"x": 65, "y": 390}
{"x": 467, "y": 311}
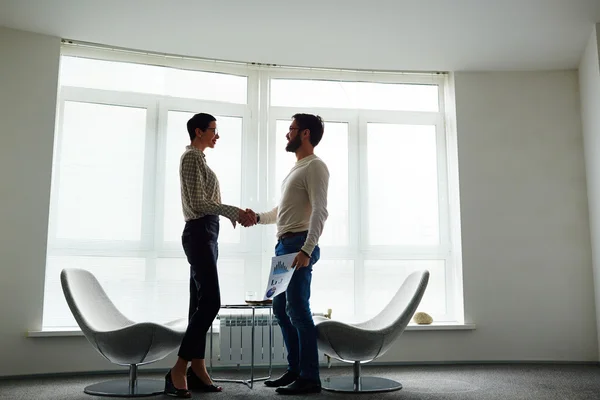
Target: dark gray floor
{"x": 477, "y": 382}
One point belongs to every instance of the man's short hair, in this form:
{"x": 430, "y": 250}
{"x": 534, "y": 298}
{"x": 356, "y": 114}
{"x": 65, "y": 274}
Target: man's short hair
{"x": 200, "y": 121}
{"x": 314, "y": 123}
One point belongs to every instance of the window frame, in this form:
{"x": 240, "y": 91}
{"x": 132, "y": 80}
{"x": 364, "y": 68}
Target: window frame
{"x": 258, "y": 159}
{"x": 167, "y": 248}
{"x": 102, "y": 97}
{"x": 358, "y": 248}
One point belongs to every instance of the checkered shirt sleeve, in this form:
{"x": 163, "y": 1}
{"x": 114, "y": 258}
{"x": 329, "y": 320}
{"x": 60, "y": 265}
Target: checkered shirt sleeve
{"x": 200, "y": 191}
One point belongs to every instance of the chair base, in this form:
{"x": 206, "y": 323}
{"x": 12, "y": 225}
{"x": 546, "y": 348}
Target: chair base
{"x": 122, "y": 388}
{"x": 367, "y": 384}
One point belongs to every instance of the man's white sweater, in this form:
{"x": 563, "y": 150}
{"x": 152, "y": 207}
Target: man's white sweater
{"x": 303, "y": 205}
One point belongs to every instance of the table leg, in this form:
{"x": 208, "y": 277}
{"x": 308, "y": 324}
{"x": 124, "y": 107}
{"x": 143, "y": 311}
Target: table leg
{"x": 250, "y": 382}
{"x": 252, "y": 349}
{"x": 270, "y": 342}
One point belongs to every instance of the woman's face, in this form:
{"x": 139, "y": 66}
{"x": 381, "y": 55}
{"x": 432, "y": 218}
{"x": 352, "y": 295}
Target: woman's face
{"x": 209, "y": 137}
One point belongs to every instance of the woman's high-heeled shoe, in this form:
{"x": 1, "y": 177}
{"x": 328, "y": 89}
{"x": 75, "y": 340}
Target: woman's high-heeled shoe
{"x": 195, "y": 383}
{"x": 171, "y": 390}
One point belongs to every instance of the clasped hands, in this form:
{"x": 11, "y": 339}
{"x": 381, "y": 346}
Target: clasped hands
{"x": 247, "y": 217}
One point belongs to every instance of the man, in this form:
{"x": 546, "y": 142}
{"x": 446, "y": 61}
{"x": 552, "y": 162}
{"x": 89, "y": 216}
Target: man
{"x": 300, "y": 218}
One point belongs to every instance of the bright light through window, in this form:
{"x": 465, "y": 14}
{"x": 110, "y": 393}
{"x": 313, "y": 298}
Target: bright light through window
{"x": 383, "y": 278}
{"x": 140, "y": 78}
{"x": 116, "y": 201}
{"x": 354, "y": 95}
{"x": 403, "y": 185}
{"x": 100, "y": 169}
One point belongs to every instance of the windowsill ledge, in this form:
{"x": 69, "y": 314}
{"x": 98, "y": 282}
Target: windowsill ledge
{"x": 54, "y": 332}
{"x": 439, "y": 326}
{"x": 442, "y": 326}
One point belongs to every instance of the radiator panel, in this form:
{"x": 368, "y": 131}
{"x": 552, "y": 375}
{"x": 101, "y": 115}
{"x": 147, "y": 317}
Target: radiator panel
{"x": 235, "y": 338}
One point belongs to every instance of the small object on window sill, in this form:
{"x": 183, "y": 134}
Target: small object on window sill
{"x": 422, "y": 318}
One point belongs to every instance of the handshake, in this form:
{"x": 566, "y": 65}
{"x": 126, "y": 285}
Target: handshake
{"x": 247, "y": 218}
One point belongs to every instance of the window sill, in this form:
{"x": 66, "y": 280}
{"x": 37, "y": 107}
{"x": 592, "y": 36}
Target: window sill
{"x": 65, "y": 332}
{"x": 72, "y": 332}
{"x": 54, "y": 332}
{"x": 442, "y": 326}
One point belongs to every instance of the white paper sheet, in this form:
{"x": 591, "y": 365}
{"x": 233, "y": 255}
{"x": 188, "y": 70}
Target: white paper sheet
{"x": 280, "y": 276}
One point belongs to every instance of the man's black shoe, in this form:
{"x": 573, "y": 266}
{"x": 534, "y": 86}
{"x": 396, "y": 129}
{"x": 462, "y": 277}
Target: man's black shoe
{"x": 283, "y": 380}
{"x": 301, "y": 386}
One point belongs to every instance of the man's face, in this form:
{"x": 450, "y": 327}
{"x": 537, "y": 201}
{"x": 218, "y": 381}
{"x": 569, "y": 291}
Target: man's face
{"x": 294, "y": 138}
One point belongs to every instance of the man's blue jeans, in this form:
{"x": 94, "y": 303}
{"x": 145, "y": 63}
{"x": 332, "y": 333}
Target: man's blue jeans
{"x": 292, "y": 310}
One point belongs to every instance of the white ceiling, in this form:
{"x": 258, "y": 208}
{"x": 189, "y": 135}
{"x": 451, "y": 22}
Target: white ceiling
{"x": 409, "y": 35}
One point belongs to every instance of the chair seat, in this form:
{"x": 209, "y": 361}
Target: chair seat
{"x": 140, "y": 343}
{"x": 348, "y": 342}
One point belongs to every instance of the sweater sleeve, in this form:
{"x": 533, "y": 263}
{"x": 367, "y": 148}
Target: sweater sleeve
{"x": 269, "y": 217}
{"x": 317, "y": 184}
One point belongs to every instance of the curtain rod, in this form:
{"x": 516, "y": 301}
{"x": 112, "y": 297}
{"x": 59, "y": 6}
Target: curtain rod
{"x": 74, "y": 43}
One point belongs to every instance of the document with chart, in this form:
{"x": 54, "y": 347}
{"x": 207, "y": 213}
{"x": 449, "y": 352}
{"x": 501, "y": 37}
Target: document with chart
{"x": 280, "y": 276}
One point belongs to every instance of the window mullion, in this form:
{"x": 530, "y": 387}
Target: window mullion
{"x": 53, "y": 218}
{"x": 150, "y": 208}
{"x": 355, "y": 207}
{"x": 363, "y": 233}
{"x": 251, "y": 159}
{"x": 250, "y": 190}
{"x": 160, "y": 188}
{"x": 150, "y": 169}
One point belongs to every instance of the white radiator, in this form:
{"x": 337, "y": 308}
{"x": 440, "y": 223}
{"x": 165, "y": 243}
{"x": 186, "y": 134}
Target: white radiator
{"x": 235, "y": 337}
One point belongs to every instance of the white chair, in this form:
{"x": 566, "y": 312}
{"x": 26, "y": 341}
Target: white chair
{"x": 364, "y": 342}
{"x": 118, "y": 339}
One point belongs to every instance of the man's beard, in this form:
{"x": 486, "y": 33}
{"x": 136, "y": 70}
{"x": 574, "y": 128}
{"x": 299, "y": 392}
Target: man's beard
{"x": 294, "y": 145}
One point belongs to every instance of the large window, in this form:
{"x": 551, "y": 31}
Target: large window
{"x": 116, "y": 208}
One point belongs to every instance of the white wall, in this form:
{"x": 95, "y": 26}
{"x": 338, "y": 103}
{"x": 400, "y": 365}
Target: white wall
{"x": 28, "y": 84}
{"x": 525, "y": 234}
{"x": 589, "y": 78}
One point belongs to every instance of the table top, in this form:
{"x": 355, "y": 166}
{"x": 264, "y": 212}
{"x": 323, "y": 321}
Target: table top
{"x": 249, "y": 306}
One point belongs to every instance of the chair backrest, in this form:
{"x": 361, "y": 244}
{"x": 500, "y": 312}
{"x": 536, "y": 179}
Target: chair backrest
{"x": 394, "y": 318}
{"x": 89, "y": 304}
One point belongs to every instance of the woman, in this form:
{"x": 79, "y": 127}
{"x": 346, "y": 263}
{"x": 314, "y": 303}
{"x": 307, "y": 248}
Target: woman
{"x": 201, "y": 202}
